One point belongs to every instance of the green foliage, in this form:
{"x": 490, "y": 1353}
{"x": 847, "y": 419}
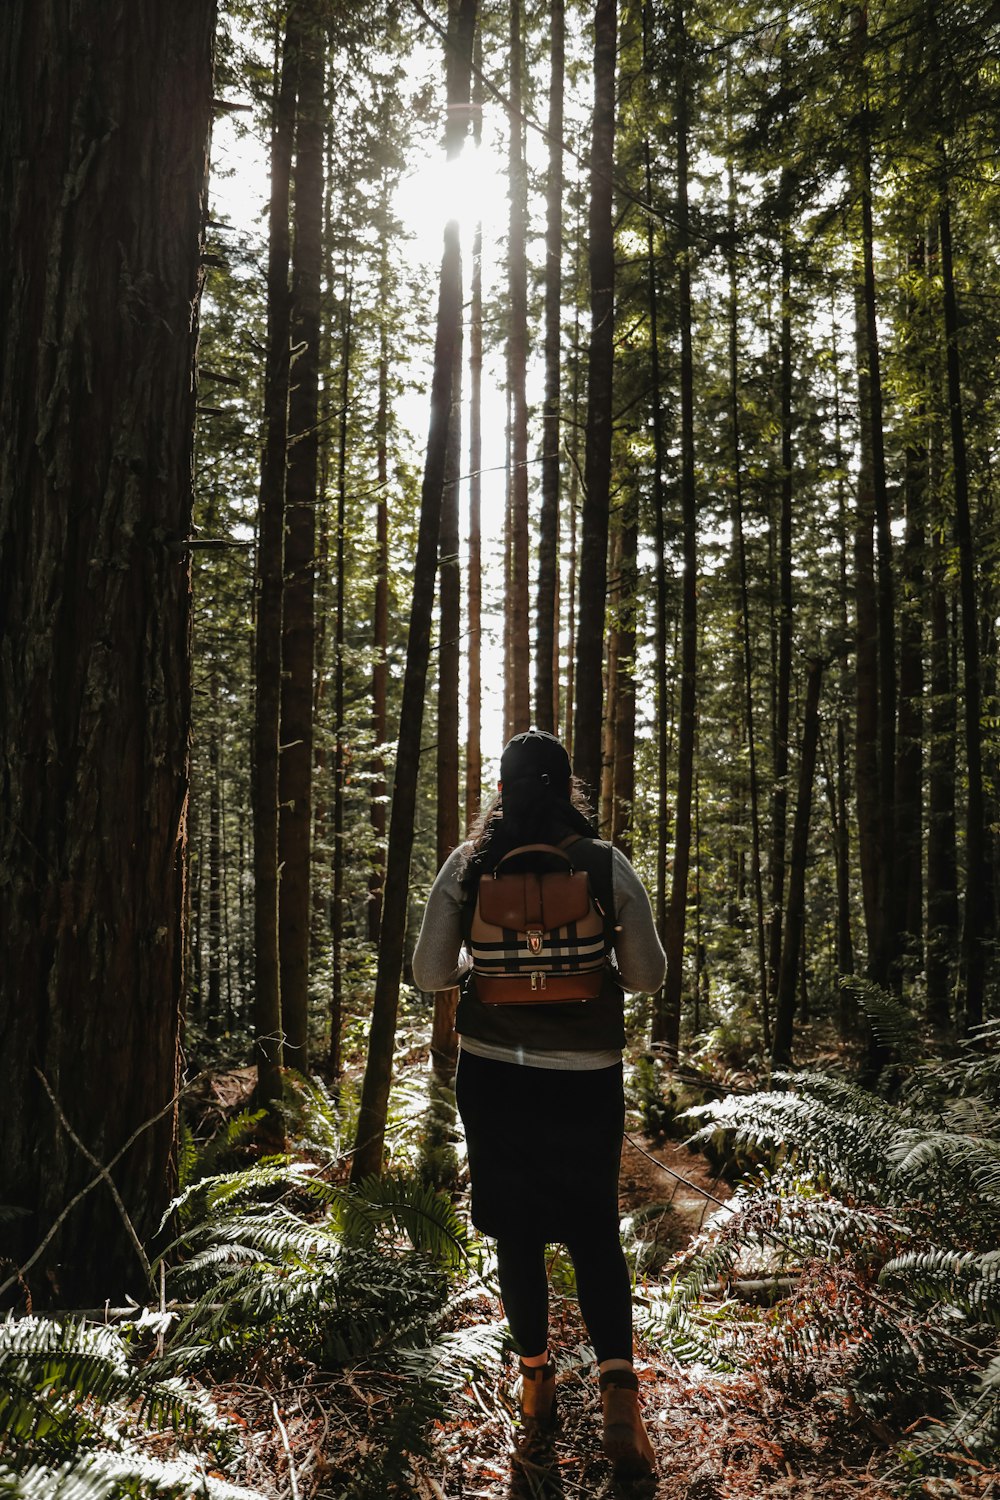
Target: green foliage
{"x": 888, "y": 1217}
{"x": 77, "y": 1408}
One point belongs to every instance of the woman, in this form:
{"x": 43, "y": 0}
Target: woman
{"x": 540, "y": 1091}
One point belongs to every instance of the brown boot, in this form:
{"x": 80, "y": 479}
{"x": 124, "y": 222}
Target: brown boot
{"x": 625, "y": 1439}
{"x": 538, "y": 1396}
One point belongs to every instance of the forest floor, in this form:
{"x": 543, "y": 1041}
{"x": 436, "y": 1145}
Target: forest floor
{"x": 764, "y": 1431}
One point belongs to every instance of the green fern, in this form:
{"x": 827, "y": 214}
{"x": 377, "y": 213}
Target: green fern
{"x": 75, "y": 1406}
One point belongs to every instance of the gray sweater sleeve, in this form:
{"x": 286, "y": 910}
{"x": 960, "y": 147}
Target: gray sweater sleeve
{"x": 641, "y": 960}
{"x": 439, "y": 960}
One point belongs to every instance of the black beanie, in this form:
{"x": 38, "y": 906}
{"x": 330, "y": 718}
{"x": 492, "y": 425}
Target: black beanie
{"x": 536, "y": 753}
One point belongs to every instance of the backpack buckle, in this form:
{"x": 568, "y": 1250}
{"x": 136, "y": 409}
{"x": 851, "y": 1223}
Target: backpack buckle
{"x": 537, "y": 979}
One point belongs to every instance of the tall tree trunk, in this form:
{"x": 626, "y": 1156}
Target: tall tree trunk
{"x": 102, "y": 203}
{"x": 623, "y": 779}
{"x": 473, "y": 704}
{"x": 547, "y": 627}
{"x": 974, "y": 926}
{"x": 942, "y": 855}
{"x": 338, "y": 902}
{"x": 444, "y": 1038}
{"x": 606, "y": 802}
{"x": 597, "y": 458}
{"x": 295, "y": 761}
{"x": 378, "y": 1069}
{"x": 215, "y": 949}
{"x": 791, "y": 952}
{"x": 744, "y": 593}
{"x": 677, "y": 911}
{"x": 842, "y": 835}
{"x": 783, "y": 683}
{"x": 380, "y": 618}
{"x": 517, "y": 365}
{"x": 270, "y": 554}
{"x": 882, "y": 955}
{"x": 866, "y": 768}
{"x": 662, "y": 690}
{"x": 908, "y": 883}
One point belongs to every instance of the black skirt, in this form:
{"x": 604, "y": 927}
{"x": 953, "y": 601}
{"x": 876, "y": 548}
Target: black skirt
{"x": 544, "y": 1146}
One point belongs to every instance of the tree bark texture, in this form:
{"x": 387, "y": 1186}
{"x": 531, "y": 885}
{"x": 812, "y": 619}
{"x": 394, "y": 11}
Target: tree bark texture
{"x": 298, "y": 626}
{"x": 104, "y": 127}
{"x": 378, "y": 1069}
{"x": 597, "y": 457}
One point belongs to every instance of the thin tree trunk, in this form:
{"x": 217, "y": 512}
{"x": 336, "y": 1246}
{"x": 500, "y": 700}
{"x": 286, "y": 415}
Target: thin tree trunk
{"x": 444, "y": 1038}
{"x": 338, "y": 903}
{"x": 974, "y": 927}
{"x": 623, "y": 779}
{"x": 597, "y": 460}
{"x": 908, "y": 884}
{"x": 380, "y": 619}
{"x": 378, "y": 1070}
{"x": 659, "y": 1026}
{"x": 677, "y": 911}
{"x": 270, "y": 566}
{"x": 606, "y": 803}
{"x": 298, "y": 626}
{"x": 882, "y": 957}
{"x": 744, "y": 595}
{"x": 517, "y": 364}
{"x": 547, "y": 626}
{"x": 791, "y": 952}
{"x": 473, "y": 707}
{"x": 942, "y": 857}
{"x": 783, "y": 684}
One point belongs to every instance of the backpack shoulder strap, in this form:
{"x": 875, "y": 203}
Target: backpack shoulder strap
{"x": 600, "y": 858}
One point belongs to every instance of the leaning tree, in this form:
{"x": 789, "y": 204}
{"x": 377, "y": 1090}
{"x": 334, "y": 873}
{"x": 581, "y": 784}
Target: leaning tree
{"x": 104, "y": 123}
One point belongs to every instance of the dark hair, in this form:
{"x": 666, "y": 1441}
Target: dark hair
{"x": 527, "y": 811}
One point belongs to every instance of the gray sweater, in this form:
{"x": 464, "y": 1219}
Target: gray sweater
{"x": 440, "y": 960}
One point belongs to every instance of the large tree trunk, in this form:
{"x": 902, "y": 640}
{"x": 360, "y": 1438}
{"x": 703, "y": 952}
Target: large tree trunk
{"x": 104, "y": 129}
{"x": 597, "y": 459}
{"x": 295, "y": 763}
{"x": 270, "y": 554}
{"x": 677, "y": 910}
{"x": 547, "y": 629}
{"x": 378, "y": 1069}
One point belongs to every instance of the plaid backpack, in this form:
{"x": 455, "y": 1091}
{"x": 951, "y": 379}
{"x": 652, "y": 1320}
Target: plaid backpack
{"x": 537, "y": 935}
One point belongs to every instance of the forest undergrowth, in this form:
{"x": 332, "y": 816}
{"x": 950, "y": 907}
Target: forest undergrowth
{"x": 817, "y": 1301}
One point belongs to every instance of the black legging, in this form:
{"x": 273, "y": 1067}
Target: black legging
{"x": 603, "y": 1286}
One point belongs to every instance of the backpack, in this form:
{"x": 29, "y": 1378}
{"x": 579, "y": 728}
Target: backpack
{"x": 537, "y": 936}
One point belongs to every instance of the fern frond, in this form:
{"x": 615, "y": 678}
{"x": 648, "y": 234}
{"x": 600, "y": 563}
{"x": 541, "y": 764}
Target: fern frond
{"x": 967, "y": 1282}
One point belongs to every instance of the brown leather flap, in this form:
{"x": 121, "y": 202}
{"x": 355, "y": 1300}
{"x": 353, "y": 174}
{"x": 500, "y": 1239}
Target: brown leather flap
{"x": 528, "y": 901}
{"x": 559, "y": 988}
